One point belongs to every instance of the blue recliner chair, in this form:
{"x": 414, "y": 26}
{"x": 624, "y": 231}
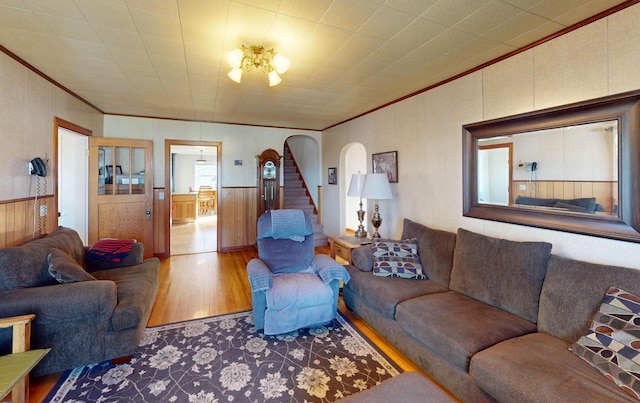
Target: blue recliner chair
{"x": 291, "y": 288}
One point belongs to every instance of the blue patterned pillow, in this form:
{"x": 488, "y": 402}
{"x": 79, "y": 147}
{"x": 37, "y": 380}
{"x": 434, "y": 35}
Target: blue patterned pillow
{"x": 397, "y": 259}
{"x": 612, "y": 343}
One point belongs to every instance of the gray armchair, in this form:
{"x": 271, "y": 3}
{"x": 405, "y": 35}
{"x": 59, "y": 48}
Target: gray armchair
{"x": 290, "y": 287}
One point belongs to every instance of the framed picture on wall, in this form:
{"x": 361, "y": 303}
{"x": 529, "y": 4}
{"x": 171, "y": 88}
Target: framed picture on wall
{"x": 333, "y": 176}
{"x": 387, "y": 163}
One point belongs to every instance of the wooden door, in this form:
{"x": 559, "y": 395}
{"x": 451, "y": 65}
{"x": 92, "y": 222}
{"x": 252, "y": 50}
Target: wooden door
{"x": 121, "y": 190}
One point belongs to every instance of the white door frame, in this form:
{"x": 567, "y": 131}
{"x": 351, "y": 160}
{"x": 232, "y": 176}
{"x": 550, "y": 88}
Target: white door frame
{"x": 79, "y": 160}
{"x": 167, "y": 188}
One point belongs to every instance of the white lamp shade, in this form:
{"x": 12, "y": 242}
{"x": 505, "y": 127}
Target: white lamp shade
{"x": 234, "y": 58}
{"x": 235, "y": 74}
{"x": 376, "y": 187}
{"x": 281, "y": 63}
{"x": 356, "y": 185}
{"x": 274, "y": 78}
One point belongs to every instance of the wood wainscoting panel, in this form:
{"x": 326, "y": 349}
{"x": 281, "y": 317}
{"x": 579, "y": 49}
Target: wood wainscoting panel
{"x": 16, "y": 220}
{"x": 237, "y": 217}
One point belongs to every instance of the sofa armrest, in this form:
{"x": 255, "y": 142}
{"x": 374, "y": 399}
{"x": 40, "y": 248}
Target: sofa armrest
{"x": 61, "y": 302}
{"x": 260, "y": 277}
{"x": 329, "y": 269}
{"x": 135, "y": 256}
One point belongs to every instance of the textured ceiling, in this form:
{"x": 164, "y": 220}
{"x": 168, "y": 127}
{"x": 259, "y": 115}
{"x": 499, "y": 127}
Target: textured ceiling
{"x": 166, "y": 58}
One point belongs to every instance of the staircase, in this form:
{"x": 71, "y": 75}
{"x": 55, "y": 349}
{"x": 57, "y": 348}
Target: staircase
{"x": 296, "y": 195}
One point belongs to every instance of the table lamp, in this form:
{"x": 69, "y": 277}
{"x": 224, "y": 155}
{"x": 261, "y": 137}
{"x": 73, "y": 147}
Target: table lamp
{"x": 376, "y": 186}
{"x": 355, "y": 190}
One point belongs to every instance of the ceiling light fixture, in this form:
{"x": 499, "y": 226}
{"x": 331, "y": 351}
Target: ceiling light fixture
{"x": 247, "y": 58}
{"x": 201, "y": 161}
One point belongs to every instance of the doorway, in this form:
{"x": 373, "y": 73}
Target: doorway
{"x": 191, "y": 183}
{"x": 71, "y": 173}
{"x": 495, "y": 186}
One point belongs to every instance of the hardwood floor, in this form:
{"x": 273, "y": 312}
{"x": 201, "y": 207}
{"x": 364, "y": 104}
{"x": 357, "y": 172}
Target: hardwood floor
{"x": 196, "y": 237}
{"x": 205, "y": 284}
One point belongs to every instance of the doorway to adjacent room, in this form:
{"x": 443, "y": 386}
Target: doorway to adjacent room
{"x": 192, "y": 190}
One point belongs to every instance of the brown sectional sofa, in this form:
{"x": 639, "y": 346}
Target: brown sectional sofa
{"x": 496, "y": 318}
{"x": 83, "y": 322}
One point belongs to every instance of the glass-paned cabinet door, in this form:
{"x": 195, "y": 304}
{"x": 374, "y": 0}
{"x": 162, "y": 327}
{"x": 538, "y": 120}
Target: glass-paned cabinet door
{"x": 121, "y": 170}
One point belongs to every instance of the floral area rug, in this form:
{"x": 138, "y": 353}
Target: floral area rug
{"x": 224, "y": 359}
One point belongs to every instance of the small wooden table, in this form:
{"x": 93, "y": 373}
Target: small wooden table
{"x": 342, "y": 246}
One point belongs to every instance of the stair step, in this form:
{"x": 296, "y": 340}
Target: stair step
{"x": 297, "y": 201}
{"x": 320, "y": 240}
{"x": 296, "y": 197}
{"x": 309, "y": 209}
{"x": 301, "y": 200}
{"x": 294, "y": 192}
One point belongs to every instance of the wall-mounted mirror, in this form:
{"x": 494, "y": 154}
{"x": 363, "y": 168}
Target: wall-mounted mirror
{"x": 573, "y": 168}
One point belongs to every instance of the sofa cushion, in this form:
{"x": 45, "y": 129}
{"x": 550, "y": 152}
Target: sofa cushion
{"x": 384, "y": 293}
{"x": 612, "y": 343}
{"x": 24, "y": 267}
{"x": 136, "y": 286}
{"x": 397, "y": 259}
{"x": 27, "y": 266}
{"x": 362, "y": 257}
{"x": 567, "y": 305}
{"x": 503, "y": 273}
{"x": 456, "y": 326}
{"x": 435, "y": 247}
{"x": 408, "y": 387}
{"x": 64, "y": 269}
{"x": 539, "y": 367}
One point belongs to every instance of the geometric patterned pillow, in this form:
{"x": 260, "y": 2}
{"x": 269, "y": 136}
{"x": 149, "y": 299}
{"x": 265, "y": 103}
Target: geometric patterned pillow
{"x": 397, "y": 259}
{"x": 612, "y": 343}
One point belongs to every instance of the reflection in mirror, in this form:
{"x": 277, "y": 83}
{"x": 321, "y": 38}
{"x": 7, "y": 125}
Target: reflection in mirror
{"x": 572, "y": 169}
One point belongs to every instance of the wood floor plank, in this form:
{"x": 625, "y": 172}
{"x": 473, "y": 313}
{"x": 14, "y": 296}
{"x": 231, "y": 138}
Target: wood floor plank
{"x": 205, "y": 284}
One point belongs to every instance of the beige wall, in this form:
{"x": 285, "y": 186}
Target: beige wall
{"x": 238, "y": 143}
{"x": 28, "y": 105}
{"x": 597, "y": 60}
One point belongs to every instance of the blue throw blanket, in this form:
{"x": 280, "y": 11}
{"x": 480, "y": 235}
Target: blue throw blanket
{"x": 288, "y": 224}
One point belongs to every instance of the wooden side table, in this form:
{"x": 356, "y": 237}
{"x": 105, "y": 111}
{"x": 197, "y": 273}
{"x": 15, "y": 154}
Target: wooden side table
{"x": 15, "y": 367}
{"x": 342, "y": 246}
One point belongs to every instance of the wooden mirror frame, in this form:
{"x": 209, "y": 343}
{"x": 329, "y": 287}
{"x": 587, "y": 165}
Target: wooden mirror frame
{"x": 624, "y": 108}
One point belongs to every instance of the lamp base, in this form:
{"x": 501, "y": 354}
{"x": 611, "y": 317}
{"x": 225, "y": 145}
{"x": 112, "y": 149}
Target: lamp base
{"x": 376, "y": 221}
{"x": 361, "y": 233}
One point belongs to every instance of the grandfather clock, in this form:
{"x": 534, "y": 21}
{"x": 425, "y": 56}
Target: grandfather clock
{"x": 268, "y": 180}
